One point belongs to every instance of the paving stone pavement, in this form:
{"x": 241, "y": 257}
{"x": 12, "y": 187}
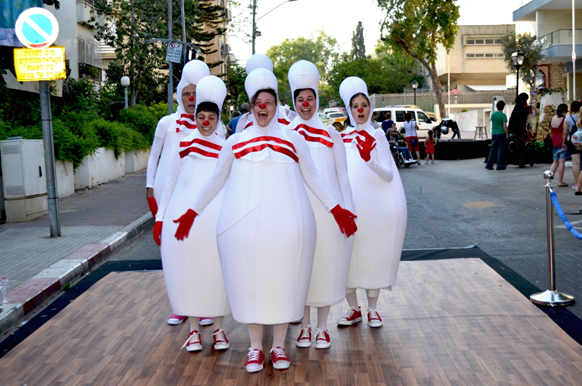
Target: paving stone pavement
{"x": 94, "y": 222}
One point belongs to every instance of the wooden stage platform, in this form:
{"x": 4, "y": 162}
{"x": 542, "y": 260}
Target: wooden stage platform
{"x": 447, "y": 322}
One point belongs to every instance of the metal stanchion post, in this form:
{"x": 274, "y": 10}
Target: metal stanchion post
{"x": 551, "y": 297}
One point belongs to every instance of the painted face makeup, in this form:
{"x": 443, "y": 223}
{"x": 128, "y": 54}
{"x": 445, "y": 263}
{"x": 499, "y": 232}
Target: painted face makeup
{"x": 189, "y": 98}
{"x": 264, "y": 108}
{"x": 206, "y": 121}
{"x": 306, "y": 104}
{"x": 360, "y": 109}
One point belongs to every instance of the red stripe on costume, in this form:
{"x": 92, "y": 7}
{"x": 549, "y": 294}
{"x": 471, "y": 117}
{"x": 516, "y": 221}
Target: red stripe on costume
{"x": 283, "y": 121}
{"x": 305, "y": 131}
{"x": 248, "y": 125}
{"x": 195, "y": 149}
{"x": 186, "y": 123}
{"x": 264, "y": 138}
{"x": 257, "y": 148}
{"x": 201, "y": 142}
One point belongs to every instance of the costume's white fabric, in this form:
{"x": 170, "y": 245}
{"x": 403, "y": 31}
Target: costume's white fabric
{"x": 379, "y": 203}
{"x": 332, "y": 248}
{"x": 266, "y": 229}
{"x": 192, "y": 269}
{"x": 246, "y": 120}
{"x": 171, "y": 130}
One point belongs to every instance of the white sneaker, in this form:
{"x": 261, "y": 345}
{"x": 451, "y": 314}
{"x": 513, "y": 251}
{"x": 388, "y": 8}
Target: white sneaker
{"x": 206, "y": 321}
{"x": 304, "y": 339}
{"x": 374, "y": 319}
{"x": 322, "y": 339}
{"x": 220, "y": 340}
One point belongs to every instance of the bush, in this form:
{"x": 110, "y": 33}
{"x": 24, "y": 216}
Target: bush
{"x": 144, "y": 119}
{"x": 118, "y": 137}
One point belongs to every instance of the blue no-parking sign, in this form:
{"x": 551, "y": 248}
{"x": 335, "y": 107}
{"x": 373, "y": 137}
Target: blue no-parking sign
{"x": 37, "y": 28}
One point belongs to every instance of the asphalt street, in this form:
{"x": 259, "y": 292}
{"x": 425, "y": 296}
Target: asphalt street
{"x": 455, "y": 204}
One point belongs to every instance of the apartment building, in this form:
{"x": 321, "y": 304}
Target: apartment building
{"x": 475, "y": 63}
{"x": 553, "y": 28}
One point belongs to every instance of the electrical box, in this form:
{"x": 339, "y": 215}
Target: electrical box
{"x": 23, "y": 179}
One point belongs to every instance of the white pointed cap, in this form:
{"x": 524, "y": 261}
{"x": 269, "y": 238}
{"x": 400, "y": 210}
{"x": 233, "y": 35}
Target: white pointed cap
{"x": 303, "y": 74}
{"x": 258, "y": 61}
{"x": 260, "y": 79}
{"x": 211, "y": 89}
{"x": 195, "y": 70}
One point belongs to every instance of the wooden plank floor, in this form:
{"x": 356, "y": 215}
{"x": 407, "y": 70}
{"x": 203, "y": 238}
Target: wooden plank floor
{"x": 447, "y": 322}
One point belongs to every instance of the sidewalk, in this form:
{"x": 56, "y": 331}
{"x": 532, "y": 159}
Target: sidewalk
{"x": 94, "y": 223}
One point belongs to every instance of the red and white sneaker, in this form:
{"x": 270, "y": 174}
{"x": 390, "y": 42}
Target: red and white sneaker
{"x": 206, "y": 321}
{"x": 174, "y": 319}
{"x": 322, "y": 339}
{"x": 351, "y": 317}
{"x": 220, "y": 341}
{"x": 255, "y": 361}
{"x": 374, "y": 319}
{"x": 304, "y": 339}
{"x": 193, "y": 343}
{"x": 279, "y": 358}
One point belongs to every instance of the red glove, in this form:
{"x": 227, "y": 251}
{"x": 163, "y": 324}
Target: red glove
{"x": 158, "y": 232}
{"x": 366, "y": 146}
{"x": 345, "y": 220}
{"x": 153, "y": 206}
{"x": 185, "y": 224}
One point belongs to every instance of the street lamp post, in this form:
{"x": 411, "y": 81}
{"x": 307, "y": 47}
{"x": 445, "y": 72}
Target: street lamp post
{"x": 414, "y": 85}
{"x": 517, "y": 58}
{"x": 125, "y": 84}
{"x": 256, "y": 33}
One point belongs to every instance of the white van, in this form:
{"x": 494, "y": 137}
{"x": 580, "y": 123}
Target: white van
{"x": 397, "y": 113}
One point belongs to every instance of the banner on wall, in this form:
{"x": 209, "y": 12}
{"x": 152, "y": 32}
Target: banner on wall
{"x": 9, "y": 12}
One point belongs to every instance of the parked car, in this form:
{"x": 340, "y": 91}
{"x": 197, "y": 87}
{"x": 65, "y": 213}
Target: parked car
{"x": 334, "y": 118}
{"x": 422, "y": 120}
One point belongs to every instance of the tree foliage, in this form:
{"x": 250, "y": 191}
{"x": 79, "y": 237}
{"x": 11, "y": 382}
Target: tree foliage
{"x": 358, "y": 46}
{"x": 319, "y": 49}
{"x": 236, "y": 84}
{"x": 130, "y": 26}
{"x": 532, "y": 49}
{"x": 418, "y": 27}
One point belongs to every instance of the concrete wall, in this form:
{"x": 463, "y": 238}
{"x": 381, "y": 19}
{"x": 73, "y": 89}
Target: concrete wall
{"x": 99, "y": 168}
{"x": 550, "y": 20}
{"x": 65, "y": 178}
{"x": 136, "y": 161}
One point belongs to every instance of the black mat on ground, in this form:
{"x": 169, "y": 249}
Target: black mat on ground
{"x": 465, "y": 149}
{"x": 560, "y": 315}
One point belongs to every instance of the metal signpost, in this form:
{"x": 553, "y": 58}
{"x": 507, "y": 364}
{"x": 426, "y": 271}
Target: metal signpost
{"x": 37, "y": 29}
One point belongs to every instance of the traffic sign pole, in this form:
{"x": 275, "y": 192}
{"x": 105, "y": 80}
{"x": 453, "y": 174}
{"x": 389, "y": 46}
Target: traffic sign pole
{"x": 49, "y": 158}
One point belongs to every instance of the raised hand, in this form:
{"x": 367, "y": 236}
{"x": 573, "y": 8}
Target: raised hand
{"x": 366, "y": 145}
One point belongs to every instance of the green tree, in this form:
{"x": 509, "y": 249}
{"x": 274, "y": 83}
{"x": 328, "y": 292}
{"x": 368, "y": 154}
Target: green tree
{"x": 130, "y": 26}
{"x": 319, "y": 49}
{"x": 532, "y": 49}
{"x": 418, "y": 27}
{"x": 358, "y": 46}
{"x": 236, "y": 84}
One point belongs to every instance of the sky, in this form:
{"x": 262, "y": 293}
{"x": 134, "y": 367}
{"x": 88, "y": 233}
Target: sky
{"x": 339, "y": 19}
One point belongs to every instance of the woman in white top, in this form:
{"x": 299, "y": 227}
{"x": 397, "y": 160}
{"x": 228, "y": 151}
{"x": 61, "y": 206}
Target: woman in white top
{"x": 379, "y": 201}
{"x": 266, "y": 228}
{"x": 332, "y": 248}
{"x": 192, "y": 270}
{"x": 170, "y": 131}
{"x": 411, "y": 136}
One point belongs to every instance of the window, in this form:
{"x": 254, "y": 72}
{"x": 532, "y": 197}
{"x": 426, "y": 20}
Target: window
{"x": 470, "y": 55}
{"x": 423, "y": 118}
{"x": 484, "y": 55}
{"x": 399, "y": 115}
{"x": 478, "y": 41}
{"x": 473, "y": 40}
{"x": 489, "y": 41}
{"x": 470, "y": 41}
{"x": 479, "y": 55}
{"x": 498, "y": 41}
{"x": 489, "y": 55}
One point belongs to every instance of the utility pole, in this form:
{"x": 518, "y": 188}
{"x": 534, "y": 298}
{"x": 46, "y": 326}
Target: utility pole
{"x": 171, "y": 73}
{"x": 254, "y": 36}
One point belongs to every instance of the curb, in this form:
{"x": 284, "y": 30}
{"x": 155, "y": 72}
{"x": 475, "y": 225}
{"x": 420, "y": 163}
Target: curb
{"x": 33, "y": 294}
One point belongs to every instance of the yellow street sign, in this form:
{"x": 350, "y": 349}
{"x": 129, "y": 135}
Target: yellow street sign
{"x": 45, "y": 64}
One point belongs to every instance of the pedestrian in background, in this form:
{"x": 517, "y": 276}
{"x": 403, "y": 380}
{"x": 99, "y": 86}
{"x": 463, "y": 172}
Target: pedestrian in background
{"x": 410, "y": 127}
{"x": 244, "y": 108}
{"x": 375, "y": 124}
{"x": 388, "y": 124}
{"x": 429, "y": 144}
{"x": 572, "y": 128}
{"x": 559, "y": 132}
{"x": 499, "y": 136}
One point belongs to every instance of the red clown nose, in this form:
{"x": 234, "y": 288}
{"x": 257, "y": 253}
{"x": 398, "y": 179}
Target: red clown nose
{"x": 191, "y": 99}
{"x": 206, "y": 123}
{"x": 360, "y": 110}
{"x": 262, "y": 106}
{"x": 305, "y": 104}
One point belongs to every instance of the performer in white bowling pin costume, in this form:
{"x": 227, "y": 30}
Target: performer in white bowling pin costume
{"x": 285, "y": 117}
{"x": 379, "y": 201}
{"x": 192, "y": 270}
{"x": 170, "y": 131}
{"x": 332, "y": 248}
{"x": 266, "y": 228}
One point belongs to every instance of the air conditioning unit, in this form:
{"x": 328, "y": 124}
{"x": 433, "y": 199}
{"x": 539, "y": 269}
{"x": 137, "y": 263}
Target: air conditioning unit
{"x": 228, "y": 15}
{"x": 224, "y": 49}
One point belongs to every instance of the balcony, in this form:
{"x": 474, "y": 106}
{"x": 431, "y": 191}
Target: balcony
{"x": 557, "y": 45}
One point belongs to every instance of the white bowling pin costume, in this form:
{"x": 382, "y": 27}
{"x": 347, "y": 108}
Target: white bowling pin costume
{"x": 332, "y": 249}
{"x": 266, "y": 228}
{"x": 379, "y": 202}
{"x": 171, "y": 130}
{"x": 192, "y": 270}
